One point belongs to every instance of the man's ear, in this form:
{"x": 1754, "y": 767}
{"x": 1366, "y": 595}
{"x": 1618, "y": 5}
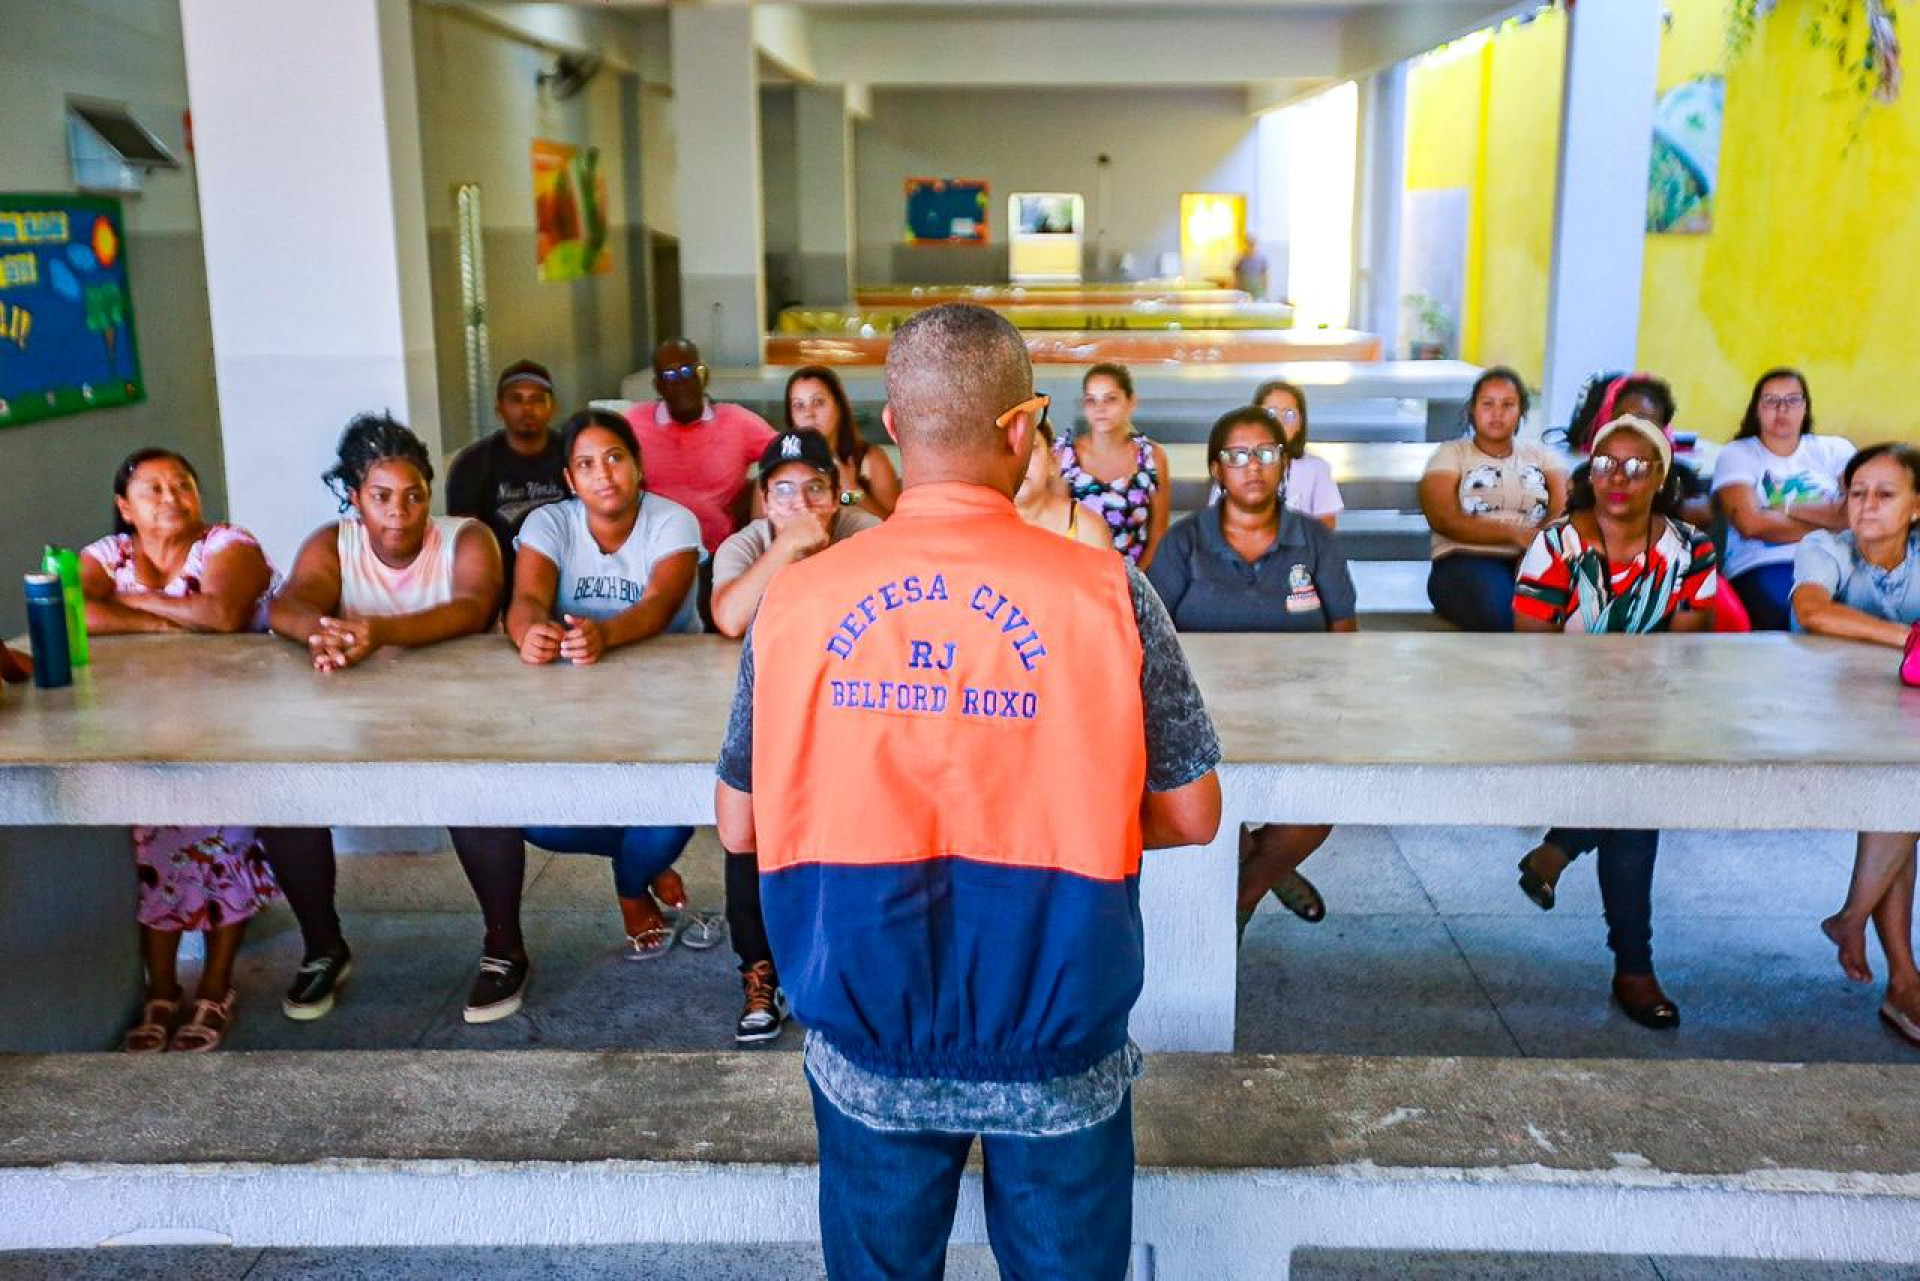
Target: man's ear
{"x": 886, "y": 420}
{"x": 703, "y": 376}
{"x": 1020, "y": 434}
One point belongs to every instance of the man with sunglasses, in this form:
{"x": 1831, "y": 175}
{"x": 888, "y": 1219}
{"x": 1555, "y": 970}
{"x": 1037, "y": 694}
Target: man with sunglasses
{"x": 949, "y": 877}
{"x": 697, "y": 451}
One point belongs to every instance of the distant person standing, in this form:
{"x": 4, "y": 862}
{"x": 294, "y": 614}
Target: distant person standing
{"x": 1250, "y": 271}
{"x": 499, "y": 478}
{"x": 697, "y": 451}
{"x": 966, "y": 960}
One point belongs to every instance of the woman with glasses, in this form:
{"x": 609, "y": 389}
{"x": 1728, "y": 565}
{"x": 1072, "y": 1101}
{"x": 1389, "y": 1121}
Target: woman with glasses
{"x": 863, "y": 476}
{"x": 1619, "y": 562}
{"x": 1776, "y": 482}
{"x": 1864, "y": 585}
{"x": 1309, "y": 489}
{"x": 1116, "y": 470}
{"x": 611, "y": 566}
{"x": 1486, "y": 496}
{"x": 1250, "y": 564}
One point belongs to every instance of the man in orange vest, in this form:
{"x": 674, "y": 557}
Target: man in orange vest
{"x": 951, "y": 739}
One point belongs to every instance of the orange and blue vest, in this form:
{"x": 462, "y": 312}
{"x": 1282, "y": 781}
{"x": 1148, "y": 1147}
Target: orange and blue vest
{"x": 949, "y": 759}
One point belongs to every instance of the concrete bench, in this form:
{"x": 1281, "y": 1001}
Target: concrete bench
{"x": 1389, "y": 728}
{"x": 1243, "y": 1160}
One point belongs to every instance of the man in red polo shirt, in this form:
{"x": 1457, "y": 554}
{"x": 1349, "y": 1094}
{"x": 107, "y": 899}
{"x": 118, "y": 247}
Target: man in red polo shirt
{"x": 695, "y": 451}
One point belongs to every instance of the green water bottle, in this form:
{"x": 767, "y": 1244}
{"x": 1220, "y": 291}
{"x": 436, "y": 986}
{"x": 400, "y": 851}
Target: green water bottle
{"x": 63, "y": 562}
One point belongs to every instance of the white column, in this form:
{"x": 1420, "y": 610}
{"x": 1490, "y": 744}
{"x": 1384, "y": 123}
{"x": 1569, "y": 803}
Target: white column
{"x": 716, "y": 120}
{"x": 823, "y": 132}
{"x": 307, "y": 151}
{"x": 1599, "y": 232}
{"x": 1383, "y": 171}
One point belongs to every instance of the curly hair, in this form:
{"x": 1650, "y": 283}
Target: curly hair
{"x": 369, "y": 439}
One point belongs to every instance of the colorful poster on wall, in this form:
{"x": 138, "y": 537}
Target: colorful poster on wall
{"x": 66, "y": 309}
{"x": 1686, "y": 156}
{"x": 946, "y": 211}
{"x": 569, "y": 212}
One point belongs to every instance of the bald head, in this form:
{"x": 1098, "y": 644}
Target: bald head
{"x": 952, "y": 370}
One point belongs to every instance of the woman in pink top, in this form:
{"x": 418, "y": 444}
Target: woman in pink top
{"x": 165, "y": 569}
{"x": 390, "y": 574}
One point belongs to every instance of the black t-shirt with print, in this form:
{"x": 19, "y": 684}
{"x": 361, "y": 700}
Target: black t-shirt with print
{"x": 493, "y": 482}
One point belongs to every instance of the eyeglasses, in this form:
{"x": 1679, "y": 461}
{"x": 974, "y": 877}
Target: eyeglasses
{"x": 788, "y": 490}
{"x": 1241, "y": 455}
{"x": 681, "y": 373}
{"x": 1605, "y": 465}
{"x": 1039, "y": 401}
{"x": 1793, "y": 400}
{"x": 1285, "y": 417}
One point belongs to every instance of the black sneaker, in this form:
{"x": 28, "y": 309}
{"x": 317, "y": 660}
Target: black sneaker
{"x": 765, "y": 1012}
{"x": 497, "y": 988}
{"x": 314, "y": 985}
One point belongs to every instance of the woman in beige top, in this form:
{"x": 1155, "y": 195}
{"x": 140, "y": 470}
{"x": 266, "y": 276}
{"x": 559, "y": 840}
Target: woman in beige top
{"x": 1486, "y": 495}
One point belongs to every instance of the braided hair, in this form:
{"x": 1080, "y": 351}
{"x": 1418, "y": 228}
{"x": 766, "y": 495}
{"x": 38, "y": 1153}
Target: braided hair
{"x": 369, "y": 439}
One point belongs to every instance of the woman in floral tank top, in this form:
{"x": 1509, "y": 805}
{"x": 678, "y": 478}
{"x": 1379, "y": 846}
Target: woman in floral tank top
{"x": 1114, "y": 469}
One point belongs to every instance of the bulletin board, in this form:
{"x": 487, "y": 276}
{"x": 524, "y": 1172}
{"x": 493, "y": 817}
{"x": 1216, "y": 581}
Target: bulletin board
{"x": 66, "y": 308}
{"x": 946, "y": 211}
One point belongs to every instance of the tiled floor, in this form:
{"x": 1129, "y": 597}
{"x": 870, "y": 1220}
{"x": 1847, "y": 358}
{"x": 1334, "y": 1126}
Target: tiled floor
{"x": 1428, "y": 948}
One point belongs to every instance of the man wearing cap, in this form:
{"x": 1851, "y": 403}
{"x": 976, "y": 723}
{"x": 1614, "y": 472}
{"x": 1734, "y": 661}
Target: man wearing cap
{"x": 502, "y": 477}
{"x": 799, "y": 487}
{"x": 697, "y": 450}
{"x": 950, "y": 879}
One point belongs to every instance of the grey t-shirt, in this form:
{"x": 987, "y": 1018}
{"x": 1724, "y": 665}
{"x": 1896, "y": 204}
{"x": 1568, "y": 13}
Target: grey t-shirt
{"x": 737, "y": 555}
{"x": 598, "y": 585}
{"x": 1181, "y": 747}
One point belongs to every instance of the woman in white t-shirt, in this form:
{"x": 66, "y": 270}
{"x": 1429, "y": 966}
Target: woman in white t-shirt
{"x": 1309, "y": 485}
{"x": 1486, "y": 495}
{"x": 1776, "y": 482}
{"x": 611, "y": 566}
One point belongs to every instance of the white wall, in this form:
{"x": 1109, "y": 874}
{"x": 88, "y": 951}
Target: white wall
{"x": 1163, "y": 142}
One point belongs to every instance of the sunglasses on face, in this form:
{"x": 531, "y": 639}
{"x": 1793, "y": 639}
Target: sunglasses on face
{"x": 1628, "y": 468}
{"x": 681, "y": 374}
{"x": 1241, "y": 455}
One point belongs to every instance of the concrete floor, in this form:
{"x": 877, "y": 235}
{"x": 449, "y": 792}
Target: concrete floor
{"x": 1428, "y": 948}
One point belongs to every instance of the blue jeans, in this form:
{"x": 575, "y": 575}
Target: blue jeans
{"x": 1626, "y": 887}
{"x": 639, "y": 853}
{"x": 1766, "y": 593}
{"x": 1056, "y": 1208}
{"x": 1474, "y": 593}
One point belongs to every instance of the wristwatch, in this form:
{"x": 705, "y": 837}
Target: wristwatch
{"x": 852, "y": 497}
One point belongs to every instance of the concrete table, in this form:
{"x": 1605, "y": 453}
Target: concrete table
{"x": 1405, "y": 728}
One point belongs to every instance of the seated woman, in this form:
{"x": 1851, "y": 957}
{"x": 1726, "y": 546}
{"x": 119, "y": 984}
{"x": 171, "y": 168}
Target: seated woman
{"x": 1310, "y": 489}
{"x": 1486, "y": 496}
{"x": 1607, "y": 396}
{"x": 1777, "y": 482}
{"x": 1862, "y": 585}
{"x": 165, "y": 569}
{"x": 611, "y": 566}
{"x": 863, "y": 475}
{"x": 1114, "y": 469}
{"x": 1248, "y": 564}
{"x": 1042, "y": 498}
{"x": 388, "y": 573}
{"x": 1619, "y": 562}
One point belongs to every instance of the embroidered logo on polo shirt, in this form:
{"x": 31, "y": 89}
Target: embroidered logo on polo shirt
{"x": 1302, "y": 595}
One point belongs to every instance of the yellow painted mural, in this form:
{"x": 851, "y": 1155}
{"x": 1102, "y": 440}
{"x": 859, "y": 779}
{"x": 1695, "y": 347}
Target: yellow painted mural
{"x": 1814, "y": 254}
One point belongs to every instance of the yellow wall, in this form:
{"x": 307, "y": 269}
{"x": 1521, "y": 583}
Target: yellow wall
{"x": 1814, "y": 256}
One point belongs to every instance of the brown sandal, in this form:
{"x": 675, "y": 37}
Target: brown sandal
{"x": 150, "y": 1034}
{"x": 206, "y": 1025}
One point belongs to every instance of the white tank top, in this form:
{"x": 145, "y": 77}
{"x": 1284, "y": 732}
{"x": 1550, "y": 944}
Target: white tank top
{"x": 370, "y": 588}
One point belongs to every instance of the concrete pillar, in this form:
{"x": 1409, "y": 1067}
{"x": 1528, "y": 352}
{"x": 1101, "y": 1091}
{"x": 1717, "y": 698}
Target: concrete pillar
{"x": 1599, "y": 231}
{"x": 70, "y": 949}
{"x": 716, "y": 119}
{"x": 306, "y": 137}
{"x": 823, "y": 133}
{"x": 1383, "y": 171}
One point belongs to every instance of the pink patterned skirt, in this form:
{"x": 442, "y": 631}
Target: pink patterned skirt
{"x": 200, "y": 878}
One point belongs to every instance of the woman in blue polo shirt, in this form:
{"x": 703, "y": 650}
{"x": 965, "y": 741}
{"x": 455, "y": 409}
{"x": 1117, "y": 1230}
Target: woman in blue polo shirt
{"x": 1250, "y": 564}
